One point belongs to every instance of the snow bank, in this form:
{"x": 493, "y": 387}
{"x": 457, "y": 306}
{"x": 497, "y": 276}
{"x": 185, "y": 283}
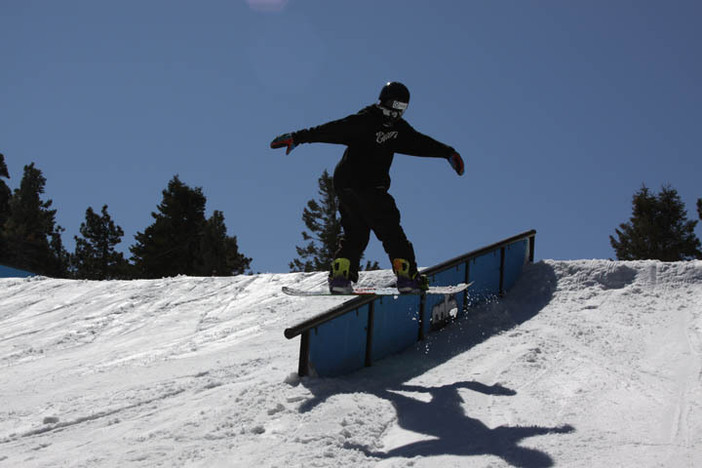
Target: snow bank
{"x": 584, "y": 363}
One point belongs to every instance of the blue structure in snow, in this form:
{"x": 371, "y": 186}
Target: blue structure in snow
{"x": 366, "y": 329}
{"x": 9, "y": 272}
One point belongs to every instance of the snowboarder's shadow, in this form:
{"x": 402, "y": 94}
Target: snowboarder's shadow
{"x": 443, "y": 418}
{"x": 453, "y": 432}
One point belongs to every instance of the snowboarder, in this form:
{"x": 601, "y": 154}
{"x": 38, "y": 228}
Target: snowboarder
{"x": 362, "y": 180}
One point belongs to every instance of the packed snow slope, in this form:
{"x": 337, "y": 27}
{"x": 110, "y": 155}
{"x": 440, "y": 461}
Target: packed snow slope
{"x": 583, "y": 363}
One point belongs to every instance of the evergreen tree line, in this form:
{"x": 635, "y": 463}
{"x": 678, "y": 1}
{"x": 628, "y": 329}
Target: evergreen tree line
{"x": 180, "y": 241}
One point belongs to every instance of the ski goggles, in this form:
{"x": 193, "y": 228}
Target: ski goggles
{"x": 393, "y": 109}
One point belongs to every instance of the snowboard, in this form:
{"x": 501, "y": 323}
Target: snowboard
{"x": 378, "y": 291}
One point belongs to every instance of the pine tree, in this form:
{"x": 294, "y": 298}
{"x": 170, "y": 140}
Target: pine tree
{"x": 168, "y": 247}
{"x": 324, "y": 227}
{"x": 320, "y": 218}
{"x": 182, "y": 242}
{"x": 31, "y": 236}
{"x": 699, "y": 208}
{"x": 658, "y": 229}
{"x": 219, "y": 252}
{"x": 95, "y": 256}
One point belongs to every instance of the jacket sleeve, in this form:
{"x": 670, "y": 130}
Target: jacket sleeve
{"x": 342, "y": 131}
{"x": 415, "y": 143}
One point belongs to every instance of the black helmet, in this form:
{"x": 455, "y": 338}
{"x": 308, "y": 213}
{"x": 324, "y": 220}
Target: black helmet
{"x": 394, "y": 99}
{"x": 394, "y": 91}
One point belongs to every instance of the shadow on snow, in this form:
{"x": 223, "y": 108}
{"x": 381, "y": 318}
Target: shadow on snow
{"x": 443, "y": 418}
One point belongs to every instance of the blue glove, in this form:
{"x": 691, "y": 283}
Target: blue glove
{"x": 286, "y": 140}
{"x": 456, "y": 163}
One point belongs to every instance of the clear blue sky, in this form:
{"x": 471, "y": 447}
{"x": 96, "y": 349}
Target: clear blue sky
{"x": 561, "y": 110}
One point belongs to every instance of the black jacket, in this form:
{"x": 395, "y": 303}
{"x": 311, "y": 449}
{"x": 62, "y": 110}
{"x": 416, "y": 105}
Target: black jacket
{"x": 371, "y": 144}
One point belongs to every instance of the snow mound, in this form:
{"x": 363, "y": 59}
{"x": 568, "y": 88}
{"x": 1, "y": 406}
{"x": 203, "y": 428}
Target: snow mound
{"x": 583, "y": 363}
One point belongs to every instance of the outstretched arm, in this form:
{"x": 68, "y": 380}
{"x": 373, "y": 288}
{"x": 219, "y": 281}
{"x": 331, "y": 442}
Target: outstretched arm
{"x": 415, "y": 143}
{"x": 342, "y": 131}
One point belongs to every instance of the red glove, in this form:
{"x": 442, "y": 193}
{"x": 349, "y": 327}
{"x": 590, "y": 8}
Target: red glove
{"x": 286, "y": 140}
{"x": 456, "y": 163}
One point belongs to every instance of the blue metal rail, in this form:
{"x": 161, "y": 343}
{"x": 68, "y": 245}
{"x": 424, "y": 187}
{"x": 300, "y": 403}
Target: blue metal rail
{"x": 368, "y": 328}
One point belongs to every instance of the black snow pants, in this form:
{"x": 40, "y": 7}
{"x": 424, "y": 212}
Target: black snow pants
{"x": 371, "y": 209}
